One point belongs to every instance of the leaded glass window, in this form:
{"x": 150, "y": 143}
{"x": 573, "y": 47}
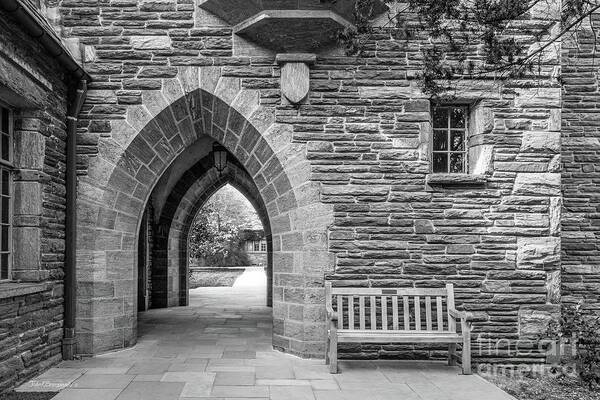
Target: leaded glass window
{"x": 449, "y": 139}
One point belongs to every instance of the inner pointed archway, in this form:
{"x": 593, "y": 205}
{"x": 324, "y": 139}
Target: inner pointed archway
{"x": 171, "y": 220}
{"x": 226, "y": 244}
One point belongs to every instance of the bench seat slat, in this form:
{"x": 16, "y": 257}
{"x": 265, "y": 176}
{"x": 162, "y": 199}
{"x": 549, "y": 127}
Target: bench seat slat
{"x": 395, "y": 337}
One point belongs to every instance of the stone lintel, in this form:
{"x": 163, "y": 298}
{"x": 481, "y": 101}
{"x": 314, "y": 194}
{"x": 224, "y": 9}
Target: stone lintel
{"x": 456, "y": 179}
{"x": 305, "y": 58}
{"x": 16, "y": 289}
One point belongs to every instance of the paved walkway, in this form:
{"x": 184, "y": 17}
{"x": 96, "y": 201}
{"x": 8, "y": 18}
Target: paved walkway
{"x": 220, "y": 348}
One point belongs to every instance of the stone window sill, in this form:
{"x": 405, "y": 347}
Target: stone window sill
{"x": 15, "y": 289}
{"x": 444, "y": 180}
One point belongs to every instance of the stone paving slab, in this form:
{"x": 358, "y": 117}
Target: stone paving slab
{"x": 220, "y": 348}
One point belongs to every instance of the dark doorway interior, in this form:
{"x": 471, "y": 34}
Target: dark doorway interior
{"x": 143, "y": 264}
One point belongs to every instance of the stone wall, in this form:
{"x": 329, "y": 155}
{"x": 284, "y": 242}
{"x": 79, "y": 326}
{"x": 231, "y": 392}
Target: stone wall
{"x": 257, "y": 258}
{"x": 33, "y": 84}
{"x": 30, "y": 333}
{"x": 364, "y": 130}
{"x": 580, "y": 154}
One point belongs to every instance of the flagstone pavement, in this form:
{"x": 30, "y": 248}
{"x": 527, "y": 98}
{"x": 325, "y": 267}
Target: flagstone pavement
{"x": 220, "y": 348}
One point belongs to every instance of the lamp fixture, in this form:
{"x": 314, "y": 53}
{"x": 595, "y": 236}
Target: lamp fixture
{"x": 219, "y": 157}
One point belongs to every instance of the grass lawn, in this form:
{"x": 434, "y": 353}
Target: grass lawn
{"x": 27, "y": 395}
{"x": 543, "y": 388}
{"x": 214, "y": 277}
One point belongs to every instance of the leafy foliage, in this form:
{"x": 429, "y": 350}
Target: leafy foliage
{"x": 462, "y": 39}
{"x": 542, "y": 387}
{"x": 216, "y": 234}
{"x": 580, "y": 328}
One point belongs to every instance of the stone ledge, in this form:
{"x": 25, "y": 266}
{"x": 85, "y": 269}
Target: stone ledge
{"x": 306, "y": 58}
{"x": 456, "y": 180}
{"x": 15, "y": 289}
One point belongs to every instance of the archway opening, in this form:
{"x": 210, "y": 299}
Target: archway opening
{"x": 135, "y": 173}
{"x": 227, "y": 244}
{"x": 200, "y": 217}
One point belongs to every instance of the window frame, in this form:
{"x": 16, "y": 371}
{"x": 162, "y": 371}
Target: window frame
{"x": 8, "y": 165}
{"x": 465, "y": 152}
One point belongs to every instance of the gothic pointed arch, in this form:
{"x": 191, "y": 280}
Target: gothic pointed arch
{"x": 198, "y": 103}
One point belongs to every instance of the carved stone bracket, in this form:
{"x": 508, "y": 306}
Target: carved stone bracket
{"x": 295, "y": 75}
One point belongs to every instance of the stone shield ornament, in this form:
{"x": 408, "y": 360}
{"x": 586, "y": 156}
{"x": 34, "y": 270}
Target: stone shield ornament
{"x": 295, "y": 81}
{"x": 295, "y": 75}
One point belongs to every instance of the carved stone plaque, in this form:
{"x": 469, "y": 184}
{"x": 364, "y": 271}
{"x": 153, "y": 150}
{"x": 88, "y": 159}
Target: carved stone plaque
{"x": 295, "y": 81}
{"x": 295, "y": 75}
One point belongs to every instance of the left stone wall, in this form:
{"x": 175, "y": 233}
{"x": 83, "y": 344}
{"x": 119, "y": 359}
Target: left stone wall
{"x": 32, "y": 84}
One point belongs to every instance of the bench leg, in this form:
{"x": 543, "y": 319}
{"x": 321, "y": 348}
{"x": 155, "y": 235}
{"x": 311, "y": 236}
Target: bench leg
{"x": 466, "y": 350}
{"x": 327, "y": 349}
{"x": 332, "y": 356}
{"x": 452, "y": 354}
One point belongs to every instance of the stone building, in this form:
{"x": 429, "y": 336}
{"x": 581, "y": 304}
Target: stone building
{"x": 255, "y": 246}
{"x": 39, "y": 78}
{"x": 356, "y": 175}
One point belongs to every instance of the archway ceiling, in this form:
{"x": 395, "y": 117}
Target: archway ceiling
{"x": 190, "y": 156}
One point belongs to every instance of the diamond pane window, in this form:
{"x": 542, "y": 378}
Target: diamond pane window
{"x": 449, "y": 137}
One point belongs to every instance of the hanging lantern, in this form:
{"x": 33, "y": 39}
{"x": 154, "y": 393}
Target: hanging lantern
{"x": 220, "y": 157}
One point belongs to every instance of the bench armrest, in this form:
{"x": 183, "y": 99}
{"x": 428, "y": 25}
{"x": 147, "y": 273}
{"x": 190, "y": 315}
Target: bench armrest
{"x": 332, "y": 315}
{"x": 462, "y": 315}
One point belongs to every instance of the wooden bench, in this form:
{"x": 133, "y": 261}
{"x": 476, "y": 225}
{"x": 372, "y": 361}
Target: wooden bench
{"x": 395, "y": 315}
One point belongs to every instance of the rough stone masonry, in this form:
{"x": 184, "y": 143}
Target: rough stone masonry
{"x": 342, "y": 176}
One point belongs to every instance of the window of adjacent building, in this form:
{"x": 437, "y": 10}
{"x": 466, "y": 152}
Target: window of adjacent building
{"x": 257, "y": 245}
{"x": 449, "y": 139}
{"x": 6, "y": 127}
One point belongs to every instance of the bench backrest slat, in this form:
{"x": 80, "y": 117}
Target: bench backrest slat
{"x": 406, "y": 313}
{"x": 440, "y": 315}
{"x": 395, "y": 313}
{"x": 417, "y": 304}
{"x": 384, "y": 321}
{"x": 428, "y": 321}
{"x": 340, "y": 306}
{"x": 395, "y": 309}
{"x": 450, "y": 305}
{"x": 350, "y": 312}
{"x": 373, "y": 306}
{"x": 361, "y": 311}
